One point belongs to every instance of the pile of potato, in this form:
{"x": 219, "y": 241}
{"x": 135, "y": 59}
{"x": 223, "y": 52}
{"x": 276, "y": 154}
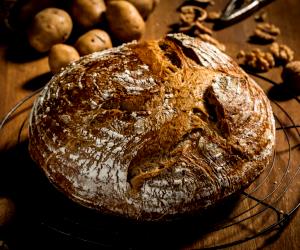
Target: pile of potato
{"x": 51, "y": 27}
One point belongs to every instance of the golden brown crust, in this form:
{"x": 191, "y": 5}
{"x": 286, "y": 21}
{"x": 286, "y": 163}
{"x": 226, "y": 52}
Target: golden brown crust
{"x": 152, "y": 130}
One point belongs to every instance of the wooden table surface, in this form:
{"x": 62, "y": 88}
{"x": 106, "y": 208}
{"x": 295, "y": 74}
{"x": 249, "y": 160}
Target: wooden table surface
{"x": 21, "y": 73}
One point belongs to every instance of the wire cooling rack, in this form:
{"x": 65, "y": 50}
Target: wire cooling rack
{"x": 264, "y": 208}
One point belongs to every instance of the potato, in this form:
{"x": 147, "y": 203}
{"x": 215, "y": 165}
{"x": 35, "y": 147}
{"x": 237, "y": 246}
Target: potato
{"x": 125, "y": 22}
{"x": 92, "y": 41}
{"x": 50, "y": 26}
{"x": 7, "y": 210}
{"x": 61, "y": 55}
{"x": 145, "y": 7}
{"x": 87, "y": 13}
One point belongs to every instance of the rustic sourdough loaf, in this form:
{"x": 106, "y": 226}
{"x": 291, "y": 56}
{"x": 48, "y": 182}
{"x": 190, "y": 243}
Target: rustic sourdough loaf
{"x": 152, "y": 130}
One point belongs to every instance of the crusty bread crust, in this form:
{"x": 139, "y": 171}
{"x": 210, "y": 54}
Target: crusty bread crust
{"x": 152, "y": 130}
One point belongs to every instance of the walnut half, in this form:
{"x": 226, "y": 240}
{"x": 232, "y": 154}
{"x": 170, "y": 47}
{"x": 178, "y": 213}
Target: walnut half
{"x": 282, "y": 53}
{"x": 266, "y": 32}
{"x": 191, "y": 19}
{"x": 256, "y": 60}
{"x": 190, "y": 14}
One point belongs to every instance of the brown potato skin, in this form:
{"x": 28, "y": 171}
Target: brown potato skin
{"x": 124, "y": 20}
{"x": 145, "y": 7}
{"x": 60, "y": 55}
{"x": 50, "y": 26}
{"x": 92, "y": 41}
{"x": 87, "y": 13}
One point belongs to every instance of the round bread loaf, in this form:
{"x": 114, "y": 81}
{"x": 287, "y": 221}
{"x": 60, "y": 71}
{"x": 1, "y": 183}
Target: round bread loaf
{"x": 152, "y": 130}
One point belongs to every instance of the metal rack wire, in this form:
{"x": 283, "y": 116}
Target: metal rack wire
{"x": 263, "y": 201}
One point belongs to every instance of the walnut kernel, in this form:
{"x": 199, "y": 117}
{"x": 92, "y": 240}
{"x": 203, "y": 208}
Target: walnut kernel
{"x": 282, "y": 53}
{"x": 266, "y": 32}
{"x": 257, "y": 60}
{"x": 189, "y": 14}
{"x": 269, "y": 28}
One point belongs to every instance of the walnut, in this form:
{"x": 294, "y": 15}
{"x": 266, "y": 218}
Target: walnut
{"x": 257, "y": 60}
{"x": 190, "y": 14}
{"x": 210, "y": 39}
{"x": 269, "y": 28}
{"x": 266, "y": 32}
{"x": 192, "y": 18}
{"x": 282, "y": 53}
{"x": 193, "y": 22}
{"x": 263, "y": 36}
{"x": 213, "y": 16}
{"x": 291, "y": 76}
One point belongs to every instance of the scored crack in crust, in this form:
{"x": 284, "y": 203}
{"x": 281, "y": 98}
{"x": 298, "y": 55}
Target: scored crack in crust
{"x": 152, "y": 130}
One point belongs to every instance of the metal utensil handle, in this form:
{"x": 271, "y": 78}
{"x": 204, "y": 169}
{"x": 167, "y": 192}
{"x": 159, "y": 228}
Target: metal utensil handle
{"x": 231, "y": 11}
